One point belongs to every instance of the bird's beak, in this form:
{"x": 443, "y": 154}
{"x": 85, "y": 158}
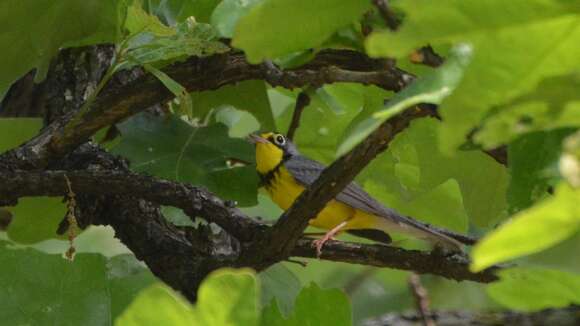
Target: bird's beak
{"x": 254, "y": 139}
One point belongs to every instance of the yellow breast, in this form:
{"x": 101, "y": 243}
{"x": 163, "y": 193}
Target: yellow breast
{"x": 284, "y": 190}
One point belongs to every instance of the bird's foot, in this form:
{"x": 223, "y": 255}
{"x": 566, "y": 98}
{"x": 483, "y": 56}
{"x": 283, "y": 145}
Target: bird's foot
{"x": 328, "y": 236}
{"x": 318, "y": 244}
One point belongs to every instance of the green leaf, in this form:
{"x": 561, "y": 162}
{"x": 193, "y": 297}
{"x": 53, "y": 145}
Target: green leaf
{"x": 226, "y": 297}
{"x": 139, "y": 21}
{"x": 240, "y": 123}
{"x": 42, "y": 289}
{"x": 35, "y": 219}
{"x": 176, "y": 11}
{"x": 171, "y": 148}
{"x": 29, "y": 38}
{"x": 15, "y": 131}
{"x": 414, "y": 167}
{"x": 457, "y": 20}
{"x": 227, "y": 14}
{"x": 533, "y": 289}
{"x": 532, "y": 165}
{"x": 441, "y": 206}
{"x": 431, "y": 88}
{"x": 551, "y": 32}
{"x": 314, "y": 306}
{"x": 279, "y": 284}
{"x": 186, "y": 106}
{"x": 157, "y": 305}
{"x": 555, "y": 103}
{"x": 191, "y": 39}
{"x": 249, "y": 96}
{"x": 292, "y": 25}
{"x": 331, "y": 110}
{"x": 534, "y": 229}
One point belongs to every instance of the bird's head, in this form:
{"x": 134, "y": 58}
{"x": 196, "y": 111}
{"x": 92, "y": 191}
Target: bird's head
{"x": 271, "y": 149}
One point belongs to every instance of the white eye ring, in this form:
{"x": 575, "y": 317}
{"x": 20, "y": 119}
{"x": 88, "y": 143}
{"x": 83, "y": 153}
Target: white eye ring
{"x": 279, "y": 140}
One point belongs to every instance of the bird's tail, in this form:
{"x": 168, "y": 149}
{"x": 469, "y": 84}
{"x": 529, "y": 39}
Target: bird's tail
{"x": 438, "y": 237}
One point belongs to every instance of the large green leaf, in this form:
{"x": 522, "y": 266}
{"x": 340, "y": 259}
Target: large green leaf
{"x": 157, "y": 305}
{"x": 314, "y": 306}
{"x": 441, "y": 206}
{"x": 42, "y": 289}
{"x": 292, "y": 25}
{"x": 520, "y": 34}
{"x": 415, "y": 169}
{"x": 534, "y": 229}
{"x": 227, "y": 14}
{"x": 35, "y": 219}
{"x": 431, "y": 88}
{"x": 29, "y": 38}
{"x": 279, "y": 284}
{"x": 14, "y": 131}
{"x": 171, "y": 148}
{"x": 247, "y": 96}
{"x": 532, "y": 289}
{"x": 226, "y": 297}
{"x": 555, "y": 103}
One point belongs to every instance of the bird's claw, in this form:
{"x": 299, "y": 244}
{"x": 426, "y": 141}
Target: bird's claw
{"x": 318, "y": 244}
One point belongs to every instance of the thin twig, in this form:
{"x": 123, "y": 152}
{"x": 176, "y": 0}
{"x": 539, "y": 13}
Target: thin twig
{"x": 421, "y": 299}
{"x": 302, "y": 101}
{"x": 387, "y": 13}
{"x": 426, "y": 56}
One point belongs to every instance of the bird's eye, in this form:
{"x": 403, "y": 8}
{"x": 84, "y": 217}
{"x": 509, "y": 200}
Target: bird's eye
{"x": 279, "y": 140}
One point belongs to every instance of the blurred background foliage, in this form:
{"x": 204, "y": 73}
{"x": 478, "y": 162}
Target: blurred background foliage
{"x": 515, "y": 84}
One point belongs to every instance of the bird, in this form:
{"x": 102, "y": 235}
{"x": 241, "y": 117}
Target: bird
{"x": 284, "y": 173}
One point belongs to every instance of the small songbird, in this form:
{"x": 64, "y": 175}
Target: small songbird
{"x": 285, "y": 173}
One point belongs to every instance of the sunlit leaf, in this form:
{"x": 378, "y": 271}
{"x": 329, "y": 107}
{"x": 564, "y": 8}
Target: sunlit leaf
{"x": 431, "y": 88}
{"x": 227, "y": 14}
{"x": 226, "y": 297}
{"x": 539, "y": 227}
{"x": 138, "y": 21}
{"x": 287, "y": 28}
{"x": 533, "y": 289}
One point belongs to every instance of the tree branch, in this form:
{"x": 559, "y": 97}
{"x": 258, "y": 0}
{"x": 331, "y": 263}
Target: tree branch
{"x": 562, "y": 317}
{"x": 301, "y": 102}
{"x": 199, "y": 202}
{"x": 199, "y": 74}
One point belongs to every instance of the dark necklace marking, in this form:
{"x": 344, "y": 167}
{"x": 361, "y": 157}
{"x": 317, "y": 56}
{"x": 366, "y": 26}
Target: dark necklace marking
{"x": 267, "y": 179}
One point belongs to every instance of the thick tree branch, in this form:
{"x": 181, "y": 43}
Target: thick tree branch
{"x": 199, "y": 74}
{"x": 199, "y": 202}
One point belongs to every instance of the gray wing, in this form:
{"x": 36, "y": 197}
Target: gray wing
{"x": 306, "y": 171}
